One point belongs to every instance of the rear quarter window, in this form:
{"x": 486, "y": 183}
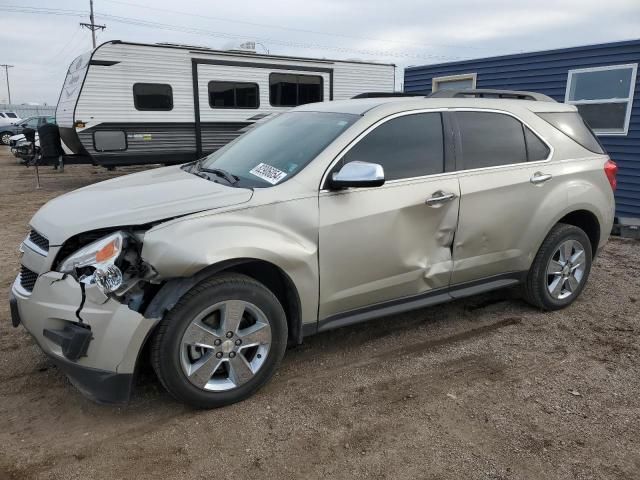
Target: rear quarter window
{"x": 574, "y": 127}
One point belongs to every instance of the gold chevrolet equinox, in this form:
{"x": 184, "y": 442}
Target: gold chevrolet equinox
{"x": 328, "y": 215}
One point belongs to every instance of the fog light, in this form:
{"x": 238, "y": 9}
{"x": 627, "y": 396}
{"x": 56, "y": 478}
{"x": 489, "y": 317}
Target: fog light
{"x": 108, "y": 277}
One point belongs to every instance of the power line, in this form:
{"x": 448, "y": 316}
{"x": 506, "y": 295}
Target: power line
{"x": 291, "y": 29}
{"x": 44, "y": 11}
{"x": 209, "y": 33}
{"x": 55, "y": 57}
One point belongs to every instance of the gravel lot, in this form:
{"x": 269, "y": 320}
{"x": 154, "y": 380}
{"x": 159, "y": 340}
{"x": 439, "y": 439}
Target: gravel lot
{"x": 483, "y": 388}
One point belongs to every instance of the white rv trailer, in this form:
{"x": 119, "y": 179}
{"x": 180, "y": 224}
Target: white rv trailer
{"x": 129, "y": 103}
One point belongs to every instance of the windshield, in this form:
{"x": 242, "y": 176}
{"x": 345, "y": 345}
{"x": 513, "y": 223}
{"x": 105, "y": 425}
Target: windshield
{"x": 278, "y": 149}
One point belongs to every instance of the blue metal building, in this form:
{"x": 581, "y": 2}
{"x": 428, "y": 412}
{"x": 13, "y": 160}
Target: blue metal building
{"x": 599, "y": 79}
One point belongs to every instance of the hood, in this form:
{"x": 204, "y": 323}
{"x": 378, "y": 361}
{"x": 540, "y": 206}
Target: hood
{"x": 133, "y": 199}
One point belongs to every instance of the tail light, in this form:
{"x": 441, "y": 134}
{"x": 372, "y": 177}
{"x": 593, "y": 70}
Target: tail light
{"x": 610, "y": 170}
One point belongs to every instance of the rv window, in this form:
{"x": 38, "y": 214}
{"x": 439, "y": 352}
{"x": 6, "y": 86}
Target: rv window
{"x": 233, "y": 95}
{"x": 288, "y": 90}
{"x": 152, "y": 96}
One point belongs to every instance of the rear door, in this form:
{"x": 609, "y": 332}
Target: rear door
{"x": 385, "y": 243}
{"x": 505, "y": 177}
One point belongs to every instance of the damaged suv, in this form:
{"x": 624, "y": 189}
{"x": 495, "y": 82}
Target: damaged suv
{"x": 324, "y": 216}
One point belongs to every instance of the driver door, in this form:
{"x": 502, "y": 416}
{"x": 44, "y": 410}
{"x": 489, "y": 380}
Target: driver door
{"x": 385, "y": 243}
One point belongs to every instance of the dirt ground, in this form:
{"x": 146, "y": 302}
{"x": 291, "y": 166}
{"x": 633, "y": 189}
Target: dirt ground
{"x": 486, "y": 388}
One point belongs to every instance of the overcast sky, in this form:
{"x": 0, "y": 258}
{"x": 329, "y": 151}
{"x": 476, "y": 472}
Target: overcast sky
{"x": 404, "y": 32}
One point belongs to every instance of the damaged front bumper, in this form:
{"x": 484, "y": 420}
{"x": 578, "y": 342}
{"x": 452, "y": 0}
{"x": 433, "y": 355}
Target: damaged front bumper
{"x": 96, "y": 342}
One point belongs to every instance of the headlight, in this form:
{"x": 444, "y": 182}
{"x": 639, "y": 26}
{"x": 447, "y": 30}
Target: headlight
{"x": 101, "y": 255}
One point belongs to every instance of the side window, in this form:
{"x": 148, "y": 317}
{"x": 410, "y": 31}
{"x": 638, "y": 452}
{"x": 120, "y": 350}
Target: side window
{"x": 536, "y": 148}
{"x": 152, "y": 96}
{"x": 289, "y": 90}
{"x": 490, "y": 139}
{"x": 407, "y": 146}
{"x": 11, "y": 115}
{"x": 233, "y": 95}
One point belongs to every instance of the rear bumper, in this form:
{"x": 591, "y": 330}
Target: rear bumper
{"x": 102, "y": 368}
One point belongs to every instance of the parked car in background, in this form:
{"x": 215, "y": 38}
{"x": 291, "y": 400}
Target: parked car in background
{"x": 8, "y": 118}
{"x": 8, "y": 131}
{"x": 327, "y": 215}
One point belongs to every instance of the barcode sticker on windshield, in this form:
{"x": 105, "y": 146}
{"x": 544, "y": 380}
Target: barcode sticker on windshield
{"x": 268, "y": 173}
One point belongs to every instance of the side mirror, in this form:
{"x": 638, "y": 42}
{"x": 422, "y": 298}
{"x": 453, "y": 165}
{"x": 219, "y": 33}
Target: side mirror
{"x": 358, "y": 174}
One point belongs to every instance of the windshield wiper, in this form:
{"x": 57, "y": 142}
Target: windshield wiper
{"x": 229, "y": 177}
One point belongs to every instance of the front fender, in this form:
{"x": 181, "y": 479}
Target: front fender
{"x": 283, "y": 234}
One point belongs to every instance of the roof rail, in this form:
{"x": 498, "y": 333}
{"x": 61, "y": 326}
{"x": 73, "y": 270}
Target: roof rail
{"x": 387, "y": 94}
{"x": 486, "y": 93}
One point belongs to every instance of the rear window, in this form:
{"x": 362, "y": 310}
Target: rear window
{"x": 574, "y": 127}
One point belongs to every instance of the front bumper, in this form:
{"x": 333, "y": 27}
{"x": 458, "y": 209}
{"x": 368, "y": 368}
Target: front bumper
{"x": 105, "y": 371}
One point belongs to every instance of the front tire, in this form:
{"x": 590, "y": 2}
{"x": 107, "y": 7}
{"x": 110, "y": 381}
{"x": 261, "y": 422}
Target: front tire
{"x": 221, "y": 343}
{"x": 5, "y": 137}
{"x": 560, "y": 269}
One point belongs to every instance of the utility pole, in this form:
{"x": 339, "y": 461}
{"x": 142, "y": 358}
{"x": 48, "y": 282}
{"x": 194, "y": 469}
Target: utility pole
{"x": 6, "y": 72}
{"x": 92, "y": 26}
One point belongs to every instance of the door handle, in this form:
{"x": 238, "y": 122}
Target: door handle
{"x": 540, "y": 177}
{"x": 439, "y": 197}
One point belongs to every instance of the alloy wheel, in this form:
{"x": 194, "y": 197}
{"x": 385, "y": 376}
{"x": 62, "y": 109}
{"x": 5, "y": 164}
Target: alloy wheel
{"x": 565, "y": 270}
{"x": 225, "y": 345}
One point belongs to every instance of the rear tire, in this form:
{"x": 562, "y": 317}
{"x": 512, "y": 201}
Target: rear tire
{"x": 221, "y": 343}
{"x": 560, "y": 269}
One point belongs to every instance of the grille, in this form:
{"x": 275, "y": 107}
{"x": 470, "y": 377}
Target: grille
{"x": 27, "y": 278}
{"x": 39, "y": 240}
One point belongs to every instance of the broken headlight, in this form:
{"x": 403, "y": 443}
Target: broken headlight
{"x": 100, "y": 262}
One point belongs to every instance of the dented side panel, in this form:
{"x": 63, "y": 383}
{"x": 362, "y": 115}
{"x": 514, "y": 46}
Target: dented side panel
{"x": 284, "y": 234}
{"x": 504, "y": 218}
{"x": 384, "y": 243}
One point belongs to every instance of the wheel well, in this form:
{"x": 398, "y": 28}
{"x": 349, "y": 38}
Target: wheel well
{"x": 282, "y": 287}
{"x": 162, "y": 299}
{"x": 586, "y": 221}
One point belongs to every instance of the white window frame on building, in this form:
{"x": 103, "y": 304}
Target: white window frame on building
{"x": 628, "y": 100}
{"x": 437, "y": 81}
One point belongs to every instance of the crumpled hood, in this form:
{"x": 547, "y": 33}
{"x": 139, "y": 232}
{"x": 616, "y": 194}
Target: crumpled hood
{"x": 133, "y": 199}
